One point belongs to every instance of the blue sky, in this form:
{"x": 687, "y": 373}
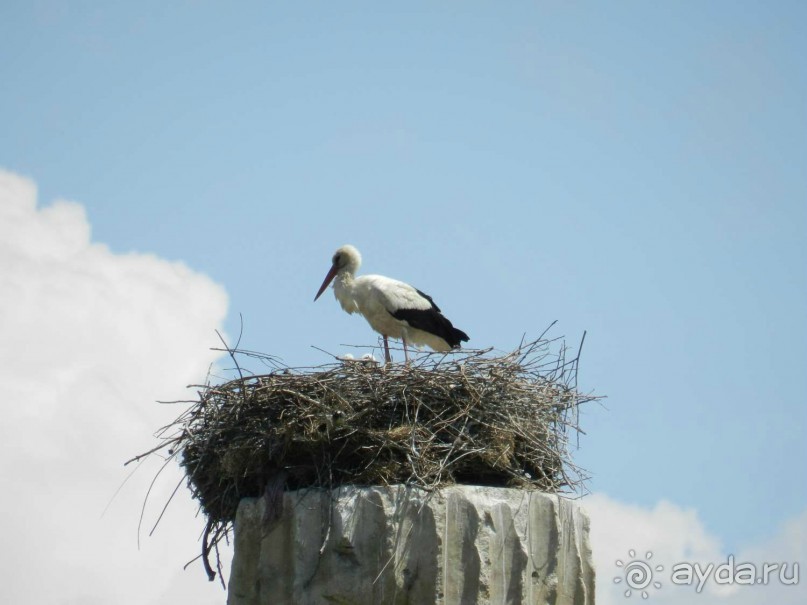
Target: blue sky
{"x": 632, "y": 169}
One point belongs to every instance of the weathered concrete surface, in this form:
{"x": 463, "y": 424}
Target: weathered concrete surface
{"x": 461, "y": 545}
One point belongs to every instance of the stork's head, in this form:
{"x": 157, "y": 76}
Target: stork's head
{"x": 345, "y": 260}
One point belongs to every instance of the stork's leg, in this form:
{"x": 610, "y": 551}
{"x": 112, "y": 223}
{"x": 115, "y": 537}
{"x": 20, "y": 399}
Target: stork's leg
{"x": 406, "y": 353}
{"x": 387, "y": 358}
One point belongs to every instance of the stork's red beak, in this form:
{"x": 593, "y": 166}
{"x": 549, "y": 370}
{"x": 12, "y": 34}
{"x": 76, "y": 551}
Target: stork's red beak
{"x": 327, "y": 282}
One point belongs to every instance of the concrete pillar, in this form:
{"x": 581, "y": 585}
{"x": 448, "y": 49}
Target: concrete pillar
{"x": 460, "y": 545}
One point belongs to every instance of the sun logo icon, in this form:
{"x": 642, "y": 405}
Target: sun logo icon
{"x": 638, "y": 574}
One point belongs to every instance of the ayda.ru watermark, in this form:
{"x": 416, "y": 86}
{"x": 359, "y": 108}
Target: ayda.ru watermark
{"x": 729, "y": 573}
{"x": 641, "y": 576}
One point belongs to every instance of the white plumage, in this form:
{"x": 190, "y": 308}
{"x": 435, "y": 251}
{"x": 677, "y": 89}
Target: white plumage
{"x": 391, "y": 307}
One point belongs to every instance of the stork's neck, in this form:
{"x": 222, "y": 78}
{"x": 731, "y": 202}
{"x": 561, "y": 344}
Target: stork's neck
{"x": 344, "y": 279}
{"x": 343, "y": 289}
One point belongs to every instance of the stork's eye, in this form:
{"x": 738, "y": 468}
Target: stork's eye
{"x": 337, "y": 258}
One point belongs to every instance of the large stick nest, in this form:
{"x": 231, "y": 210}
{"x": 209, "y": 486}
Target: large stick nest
{"x": 469, "y": 417}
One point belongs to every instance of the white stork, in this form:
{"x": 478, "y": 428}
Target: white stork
{"x": 391, "y": 307}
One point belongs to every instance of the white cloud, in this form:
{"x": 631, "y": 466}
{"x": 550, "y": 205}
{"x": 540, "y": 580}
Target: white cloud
{"x": 676, "y": 535}
{"x": 90, "y": 341}
{"x": 789, "y": 545}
